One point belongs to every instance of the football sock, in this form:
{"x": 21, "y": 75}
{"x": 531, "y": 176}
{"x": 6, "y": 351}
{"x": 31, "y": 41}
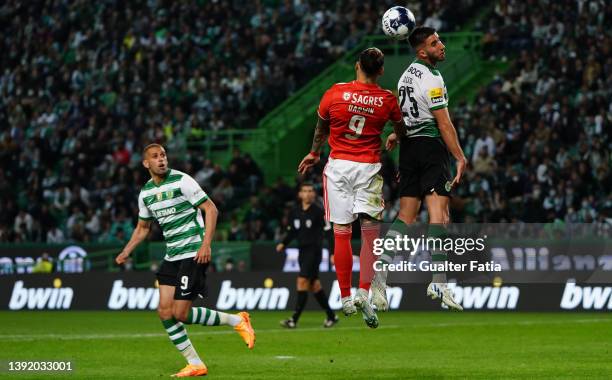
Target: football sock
{"x": 321, "y": 298}
{"x": 302, "y": 297}
{"x": 369, "y": 232}
{"x": 209, "y": 317}
{"x": 178, "y": 335}
{"x": 437, "y": 256}
{"x": 343, "y": 259}
{"x": 398, "y": 228}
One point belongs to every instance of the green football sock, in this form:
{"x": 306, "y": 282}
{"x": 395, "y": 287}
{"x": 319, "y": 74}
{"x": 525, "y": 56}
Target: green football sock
{"x": 210, "y": 317}
{"x": 438, "y": 231}
{"x": 398, "y": 228}
{"x": 178, "y": 335}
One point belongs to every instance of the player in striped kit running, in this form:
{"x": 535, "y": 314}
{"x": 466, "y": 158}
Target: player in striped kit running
{"x": 177, "y": 202}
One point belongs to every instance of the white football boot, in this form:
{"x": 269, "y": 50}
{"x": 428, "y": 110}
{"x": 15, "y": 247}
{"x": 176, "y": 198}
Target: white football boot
{"x": 442, "y": 292}
{"x": 348, "y": 307}
{"x": 379, "y": 293}
{"x": 363, "y": 304}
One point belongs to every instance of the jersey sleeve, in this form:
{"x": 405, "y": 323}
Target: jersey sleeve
{"x": 323, "y": 110}
{"x": 192, "y": 191}
{"x": 143, "y": 211}
{"x": 434, "y": 93}
{"x": 395, "y": 114}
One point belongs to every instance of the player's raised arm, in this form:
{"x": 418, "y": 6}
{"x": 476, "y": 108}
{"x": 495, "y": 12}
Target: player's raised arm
{"x": 449, "y": 135}
{"x": 320, "y": 136}
{"x": 138, "y": 236}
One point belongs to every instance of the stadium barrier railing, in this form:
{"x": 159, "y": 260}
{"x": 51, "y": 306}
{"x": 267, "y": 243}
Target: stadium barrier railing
{"x": 83, "y": 257}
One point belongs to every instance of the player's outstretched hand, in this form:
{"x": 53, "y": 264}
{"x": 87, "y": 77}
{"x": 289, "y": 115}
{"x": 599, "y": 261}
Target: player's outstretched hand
{"x": 391, "y": 142}
{"x": 461, "y": 165}
{"x": 309, "y": 161}
{"x": 122, "y": 257}
{"x": 280, "y": 247}
{"x": 203, "y": 255}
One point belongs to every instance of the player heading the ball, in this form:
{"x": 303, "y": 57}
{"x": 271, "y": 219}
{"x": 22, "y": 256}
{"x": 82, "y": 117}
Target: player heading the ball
{"x": 424, "y": 166}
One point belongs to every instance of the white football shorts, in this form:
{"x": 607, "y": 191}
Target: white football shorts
{"x": 351, "y": 188}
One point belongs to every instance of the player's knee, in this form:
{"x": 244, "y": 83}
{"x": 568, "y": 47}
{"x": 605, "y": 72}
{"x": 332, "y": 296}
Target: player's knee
{"x": 315, "y": 287}
{"x": 407, "y": 217}
{"x": 367, "y": 220}
{"x": 343, "y": 228}
{"x": 180, "y": 314}
{"x": 302, "y": 283}
{"x": 441, "y": 217}
{"x": 164, "y": 312}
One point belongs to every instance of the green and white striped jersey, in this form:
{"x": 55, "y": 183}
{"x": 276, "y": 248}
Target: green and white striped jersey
{"x": 174, "y": 204}
{"x": 421, "y": 90}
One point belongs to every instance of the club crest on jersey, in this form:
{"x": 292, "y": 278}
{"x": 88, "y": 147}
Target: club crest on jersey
{"x": 308, "y": 223}
{"x": 346, "y": 96}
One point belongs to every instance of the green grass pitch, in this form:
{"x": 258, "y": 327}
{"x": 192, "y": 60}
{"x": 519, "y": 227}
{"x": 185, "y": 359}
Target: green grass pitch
{"x": 117, "y": 345}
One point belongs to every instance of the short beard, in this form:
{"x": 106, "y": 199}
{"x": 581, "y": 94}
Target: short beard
{"x": 433, "y": 59}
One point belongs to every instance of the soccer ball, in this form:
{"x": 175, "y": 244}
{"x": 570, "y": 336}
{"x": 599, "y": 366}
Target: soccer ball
{"x": 398, "y": 22}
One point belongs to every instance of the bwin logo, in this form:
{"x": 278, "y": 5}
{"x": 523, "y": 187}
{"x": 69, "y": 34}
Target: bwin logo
{"x": 587, "y": 297}
{"x": 132, "y": 298}
{"x": 267, "y": 298}
{"x": 41, "y": 298}
{"x": 486, "y": 297}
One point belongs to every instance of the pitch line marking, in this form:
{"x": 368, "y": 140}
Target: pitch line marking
{"x": 17, "y": 337}
{"x": 35, "y": 337}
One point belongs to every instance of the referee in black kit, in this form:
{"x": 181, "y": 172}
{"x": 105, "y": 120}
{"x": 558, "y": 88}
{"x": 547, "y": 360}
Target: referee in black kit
{"x": 306, "y": 222}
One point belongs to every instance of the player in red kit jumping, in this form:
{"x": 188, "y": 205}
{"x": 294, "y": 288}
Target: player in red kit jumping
{"x": 353, "y": 116}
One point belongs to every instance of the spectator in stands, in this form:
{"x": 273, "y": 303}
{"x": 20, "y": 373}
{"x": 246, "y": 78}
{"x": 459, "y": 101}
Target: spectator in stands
{"x": 77, "y": 105}
{"x": 24, "y": 223}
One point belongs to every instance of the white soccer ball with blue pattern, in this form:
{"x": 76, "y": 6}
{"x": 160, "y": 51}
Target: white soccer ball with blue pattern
{"x": 398, "y": 22}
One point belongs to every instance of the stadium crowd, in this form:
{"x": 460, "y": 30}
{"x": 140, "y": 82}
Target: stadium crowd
{"x": 83, "y": 86}
{"x": 537, "y": 138}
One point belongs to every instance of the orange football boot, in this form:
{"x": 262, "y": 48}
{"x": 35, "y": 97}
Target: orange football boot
{"x": 192, "y": 370}
{"x": 245, "y": 329}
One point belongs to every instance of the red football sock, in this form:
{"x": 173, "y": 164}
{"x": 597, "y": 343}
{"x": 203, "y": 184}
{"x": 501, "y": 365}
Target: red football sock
{"x": 369, "y": 232}
{"x": 343, "y": 259}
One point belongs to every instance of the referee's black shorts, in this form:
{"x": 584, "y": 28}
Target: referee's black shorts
{"x": 187, "y": 276}
{"x": 424, "y": 167}
{"x": 309, "y": 260}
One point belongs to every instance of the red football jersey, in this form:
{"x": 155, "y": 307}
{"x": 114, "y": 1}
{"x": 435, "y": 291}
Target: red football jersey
{"x": 357, "y": 113}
